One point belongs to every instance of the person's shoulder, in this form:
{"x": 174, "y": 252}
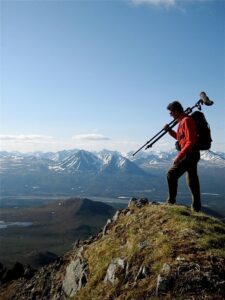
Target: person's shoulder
{"x": 189, "y": 123}
{"x": 188, "y": 119}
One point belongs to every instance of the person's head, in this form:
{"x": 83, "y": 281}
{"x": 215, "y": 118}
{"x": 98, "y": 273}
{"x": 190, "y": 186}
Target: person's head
{"x": 175, "y": 109}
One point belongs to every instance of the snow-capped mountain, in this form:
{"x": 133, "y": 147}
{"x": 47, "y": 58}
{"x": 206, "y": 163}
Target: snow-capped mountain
{"x": 79, "y": 161}
{"x": 80, "y": 173}
{"x": 161, "y": 159}
{"x": 112, "y": 163}
{"x": 100, "y": 162}
{"x": 104, "y": 161}
{"x": 221, "y": 154}
{"x": 213, "y": 158}
{"x": 105, "y": 153}
{"x": 21, "y": 163}
{"x": 54, "y": 156}
{"x": 99, "y": 173}
{"x": 152, "y": 158}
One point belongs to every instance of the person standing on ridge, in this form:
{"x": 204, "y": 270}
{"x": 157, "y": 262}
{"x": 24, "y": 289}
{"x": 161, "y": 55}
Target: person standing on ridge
{"x": 187, "y": 158}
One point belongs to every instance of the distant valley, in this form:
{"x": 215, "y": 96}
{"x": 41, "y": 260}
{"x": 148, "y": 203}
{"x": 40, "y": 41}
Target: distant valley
{"x": 52, "y": 229}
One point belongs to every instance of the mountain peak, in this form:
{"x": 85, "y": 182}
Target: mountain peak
{"x": 80, "y": 161}
{"x": 143, "y": 252}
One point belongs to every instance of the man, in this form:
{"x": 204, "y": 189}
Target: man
{"x": 187, "y": 158}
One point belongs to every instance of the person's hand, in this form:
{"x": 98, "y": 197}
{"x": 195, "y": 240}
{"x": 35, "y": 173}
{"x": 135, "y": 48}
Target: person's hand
{"x": 166, "y": 127}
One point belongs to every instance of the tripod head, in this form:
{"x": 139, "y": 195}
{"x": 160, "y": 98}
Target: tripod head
{"x": 205, "y": 99}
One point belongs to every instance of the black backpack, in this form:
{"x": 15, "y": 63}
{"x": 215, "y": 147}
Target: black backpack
{"x": 203, "y": 129}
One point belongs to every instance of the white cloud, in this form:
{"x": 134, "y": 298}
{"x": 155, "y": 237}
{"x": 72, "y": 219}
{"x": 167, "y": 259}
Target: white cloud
{"x": 24, "y": 137}
{"x": 90, "y": 137}
{"x": 26, "y": 142}
{"x": 166, "y": 2}
{"x": 155, "y": 2}
{"x": 89, "y": 142}
{"x": 110, "y": 144}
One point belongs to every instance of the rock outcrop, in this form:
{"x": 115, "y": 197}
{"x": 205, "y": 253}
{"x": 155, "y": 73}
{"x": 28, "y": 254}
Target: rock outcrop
{"x": 76, "y": 277}
{"x": 146, "y": 251}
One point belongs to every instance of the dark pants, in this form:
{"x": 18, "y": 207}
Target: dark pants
{"x": 189, "y": 165}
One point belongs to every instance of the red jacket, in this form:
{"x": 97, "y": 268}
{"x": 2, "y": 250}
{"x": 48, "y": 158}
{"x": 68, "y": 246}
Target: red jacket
{"x": 186, "y": 134}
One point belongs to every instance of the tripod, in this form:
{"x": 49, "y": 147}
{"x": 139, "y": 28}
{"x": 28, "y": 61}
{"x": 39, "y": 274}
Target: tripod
{"x": 204, "y": 100}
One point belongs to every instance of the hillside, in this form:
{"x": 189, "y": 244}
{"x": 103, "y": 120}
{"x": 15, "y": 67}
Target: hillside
{"x": 144, "y": 252}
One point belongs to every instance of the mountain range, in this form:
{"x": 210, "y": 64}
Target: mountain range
{"x": 68, "y": 162}
{"x": 75, "y": 172}
{"x": 106, "y": 173}
{"x": 81, "y": 160}
{"x": 159, "y": 158}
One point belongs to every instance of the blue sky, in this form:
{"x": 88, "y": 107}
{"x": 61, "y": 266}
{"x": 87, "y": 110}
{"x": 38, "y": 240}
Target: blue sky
{"x": 99, "y": 74}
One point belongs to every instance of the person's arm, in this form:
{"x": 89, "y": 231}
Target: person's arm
{"x": 170, "y": 131}
{"x": 190, "y": 134}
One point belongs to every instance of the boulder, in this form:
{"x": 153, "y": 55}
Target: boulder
{"x": 115, "y": 271}
{"x": 138, "y": 202}
{"x": 76, "y": 277}
{"x": 165, "y": 280}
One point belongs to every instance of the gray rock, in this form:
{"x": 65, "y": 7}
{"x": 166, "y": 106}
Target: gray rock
{"x": 76, "y": 277}
{"x": 114, "y": 271}
{"x": 106, "y": 227}
{"x": 132, "y": 202}
{"x": 142, "y": 202}
{"x": 138, "y": 202}
{"x": 166, "y": 269}
{"x": 127, "y": 270}
{"x": 154, "y": 203}
{"x": 116, "y": 216}
{"x": 163, "y": 284}
{"x": 126, "y": 211}
{"x": 146, "y": 271}
{"x": 180, "y": 258}
{"x": 143, "y": 272}
{"x": 80, "y": 252}
{"x": 76, "y": 244}
{"x": 187, "y": 268}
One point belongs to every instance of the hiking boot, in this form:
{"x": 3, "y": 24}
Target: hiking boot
{"x": 196, "y": 208}
{"x": 170, "y": 201}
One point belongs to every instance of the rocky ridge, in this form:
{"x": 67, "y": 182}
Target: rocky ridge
{"x": 146, "y": 251}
